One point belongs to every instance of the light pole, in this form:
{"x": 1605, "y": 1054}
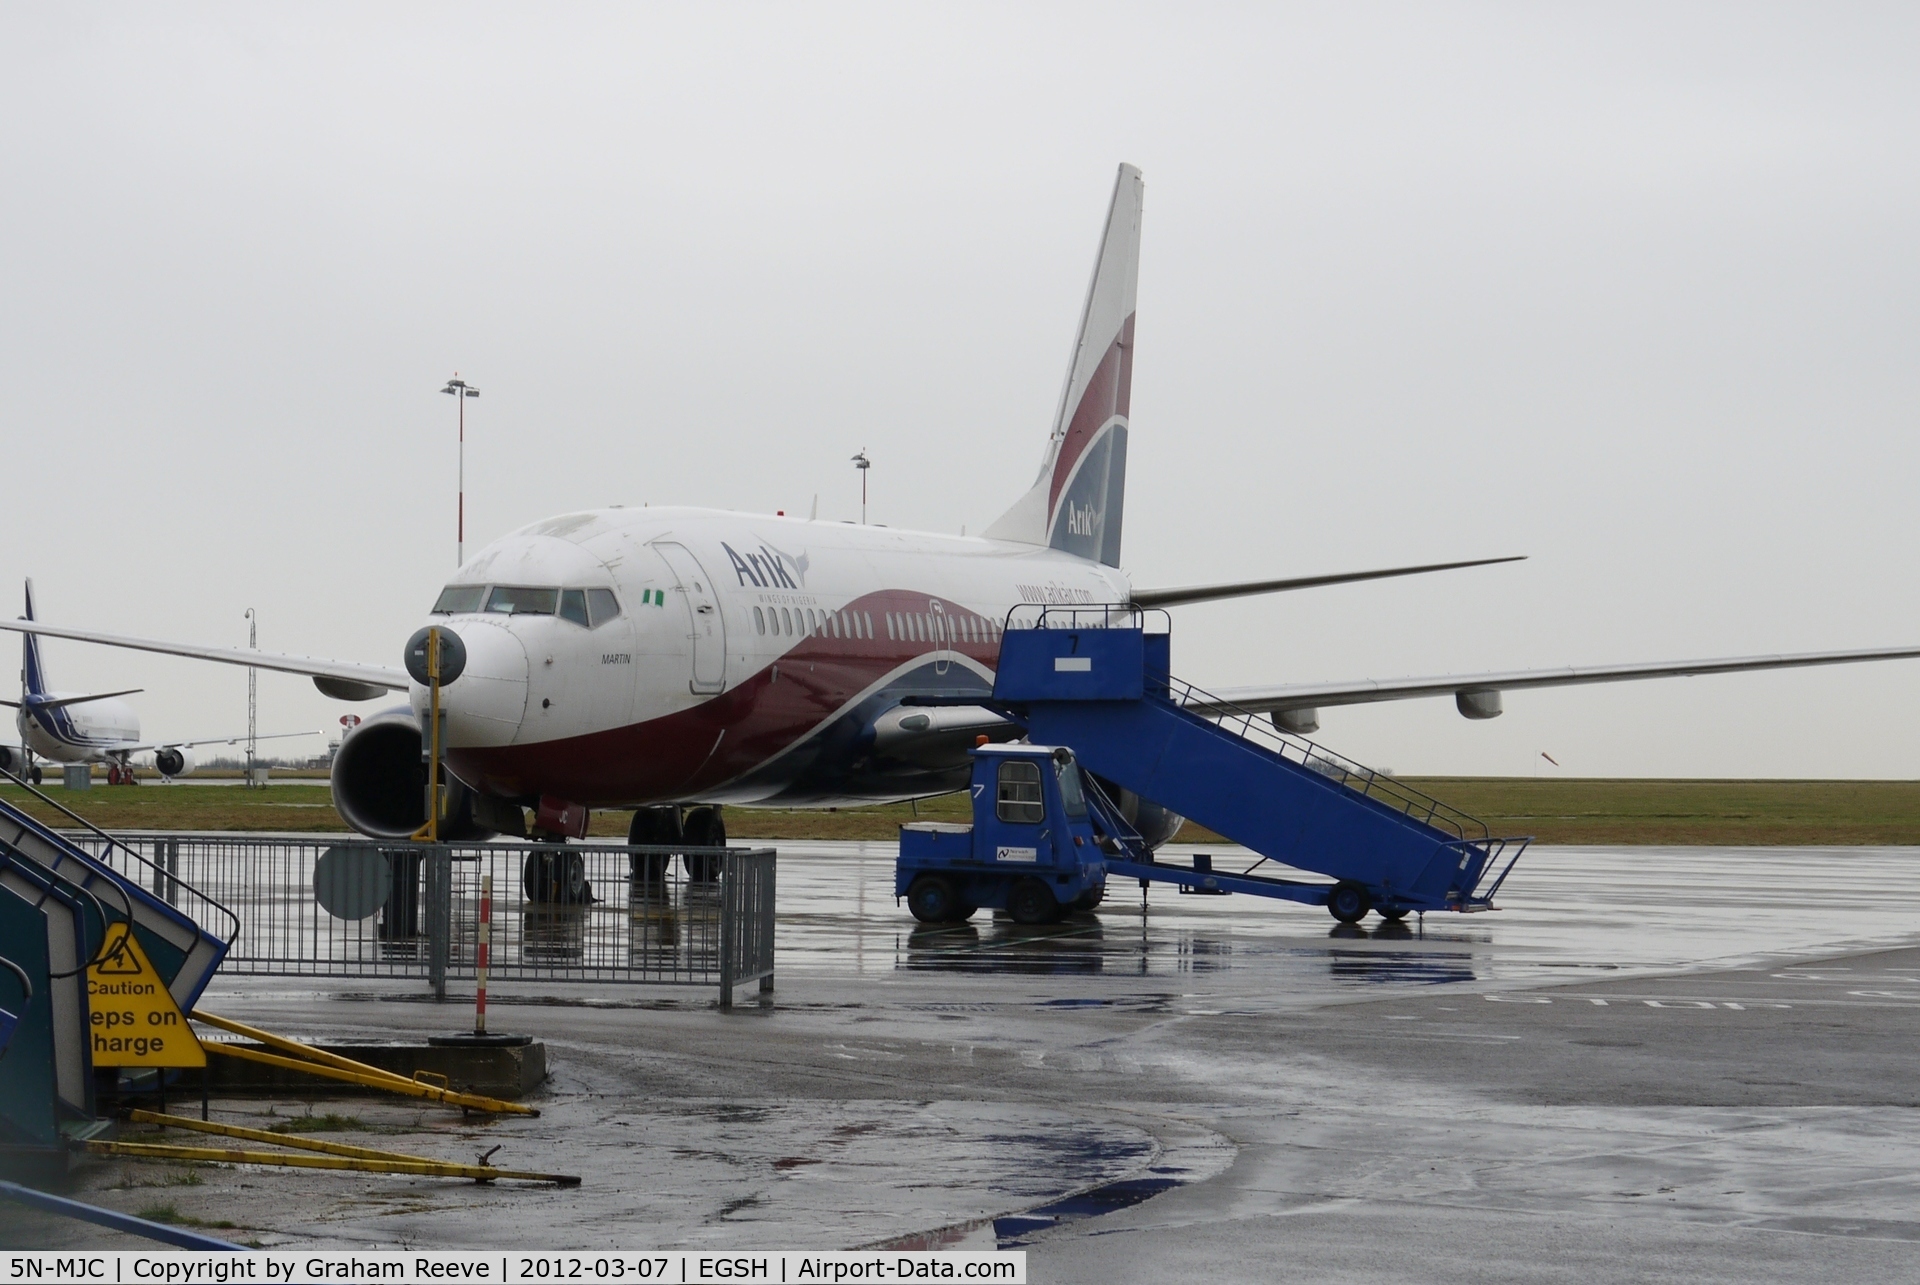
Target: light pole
{"x": 862, "y": 463}
{"x": 458, "y": 389}
{"x": 253, "y": 693}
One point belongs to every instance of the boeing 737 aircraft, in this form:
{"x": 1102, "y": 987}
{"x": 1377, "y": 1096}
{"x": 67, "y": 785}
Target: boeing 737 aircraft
{"x": 69, "y": 727}
{"x": 671, "y": 660}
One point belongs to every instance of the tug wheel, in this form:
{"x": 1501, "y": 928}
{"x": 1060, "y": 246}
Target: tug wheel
{"x": 1032, "y": 902}
{"x": 933, "y": 901}
{"x": 1349, "y": 902}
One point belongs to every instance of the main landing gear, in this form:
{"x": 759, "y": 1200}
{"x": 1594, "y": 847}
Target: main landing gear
{"x": 670, "y": 826}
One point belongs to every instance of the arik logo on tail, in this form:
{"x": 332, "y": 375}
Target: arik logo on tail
{"x": 767, "y": 568}
{"x": 1079, "y": 519}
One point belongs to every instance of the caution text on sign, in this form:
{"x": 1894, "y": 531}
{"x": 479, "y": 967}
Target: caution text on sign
{"x": 133, "y": 1020}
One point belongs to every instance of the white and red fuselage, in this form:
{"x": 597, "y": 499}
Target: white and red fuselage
{"x": 751, "y": 659}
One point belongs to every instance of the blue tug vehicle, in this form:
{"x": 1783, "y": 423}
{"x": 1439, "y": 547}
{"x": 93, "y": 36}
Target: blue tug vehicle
{"x": 1033, "y": 849}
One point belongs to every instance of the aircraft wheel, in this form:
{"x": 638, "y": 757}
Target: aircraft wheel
{"x": 704, "y": 829}
{"x": 653, "y": 827}
{"x": 933, "y": 901}
{"x": 556, "y": 877}
{"x": 38, "y": 777}
{"x": 1349, "y": 902}
{"x": 1031, "y": 902}
{"x": 1395, "y": 915}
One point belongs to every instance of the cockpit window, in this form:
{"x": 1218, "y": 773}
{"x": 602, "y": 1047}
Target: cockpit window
{"x": 514, "y": 601}
{"x": 457, "y": 598}
{"x": 602, "y": 606}
{"x": 573, "y": 606}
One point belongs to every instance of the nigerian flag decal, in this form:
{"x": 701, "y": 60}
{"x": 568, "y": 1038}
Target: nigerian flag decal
{"x": 658, "y": 597}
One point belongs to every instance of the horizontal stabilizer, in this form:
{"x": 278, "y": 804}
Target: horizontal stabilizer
{"x": 48, "y": 702}
{"x": 1247, "y": 588}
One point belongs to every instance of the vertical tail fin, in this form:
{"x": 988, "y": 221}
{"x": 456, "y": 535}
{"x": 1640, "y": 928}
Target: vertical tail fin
{"x": 33, "y": 679}
{"x": 1077, "y": 503}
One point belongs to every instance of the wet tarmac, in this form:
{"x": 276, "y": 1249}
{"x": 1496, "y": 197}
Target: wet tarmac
{"x": 1653, "y": 1064}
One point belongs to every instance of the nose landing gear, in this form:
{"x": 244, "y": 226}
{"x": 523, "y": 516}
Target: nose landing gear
{"x": 556, "y": 877}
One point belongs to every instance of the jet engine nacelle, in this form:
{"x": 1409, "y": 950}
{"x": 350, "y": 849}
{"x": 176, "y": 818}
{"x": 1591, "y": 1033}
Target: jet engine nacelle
{"x": 1155, "y": 824}
{"x": 380, "y": 786}
{"x": 173, "y": 760}
{"x": 12, "y": 758}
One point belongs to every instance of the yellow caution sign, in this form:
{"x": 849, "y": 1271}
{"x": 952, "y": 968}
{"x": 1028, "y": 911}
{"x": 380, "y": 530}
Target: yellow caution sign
{"x": 134, "y": 1021}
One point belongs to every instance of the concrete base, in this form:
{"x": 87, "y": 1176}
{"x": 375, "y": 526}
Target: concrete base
{"x": 510, "y": 1072}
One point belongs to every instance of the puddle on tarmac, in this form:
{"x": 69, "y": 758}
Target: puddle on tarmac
{"x": 1011, "y": 1232}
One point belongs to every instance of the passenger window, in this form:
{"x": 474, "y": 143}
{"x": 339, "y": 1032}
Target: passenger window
{"x": 1019, "y": 799}
{"x": 786, "y": 622}
{"x": 602, "y": 606}
{"x": 523, "y": 601}
{"x": 573, "y": 606}
{"x": 889, "y": 624}
{"x": 868, "y": 618}
{"x": 759, "y": 624}
{"x": 457, "y": 598}
{"x": 813, "y": 622}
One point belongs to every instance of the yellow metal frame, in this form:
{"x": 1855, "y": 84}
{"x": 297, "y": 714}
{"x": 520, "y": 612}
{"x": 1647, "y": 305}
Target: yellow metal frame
{"x": 313, "y": 1061}
{"x": 430, "y": 832}
{"x": 390, "y": 1164}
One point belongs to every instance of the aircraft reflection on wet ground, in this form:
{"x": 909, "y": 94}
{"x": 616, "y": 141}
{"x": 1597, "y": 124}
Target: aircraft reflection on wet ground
{"x": 1567, "y": 912}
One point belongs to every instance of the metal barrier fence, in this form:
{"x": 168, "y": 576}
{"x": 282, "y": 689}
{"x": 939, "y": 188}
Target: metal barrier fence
{"x": 338, "y": 907}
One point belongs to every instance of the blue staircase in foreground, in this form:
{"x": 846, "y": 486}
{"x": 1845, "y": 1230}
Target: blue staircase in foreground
{"x": 56, "y": 903}
{"x": 1107, "y": 693}
{"x": 182, "y": 950}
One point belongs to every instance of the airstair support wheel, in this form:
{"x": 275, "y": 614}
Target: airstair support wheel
{"x": 1349, "y": 902}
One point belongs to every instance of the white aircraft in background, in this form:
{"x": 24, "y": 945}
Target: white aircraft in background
{"x": 69, "y": 727}
{"x": 671, "y": 660}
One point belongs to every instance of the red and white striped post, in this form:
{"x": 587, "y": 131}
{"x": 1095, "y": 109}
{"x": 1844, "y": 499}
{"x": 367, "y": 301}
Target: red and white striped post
{"x": 481, "y": 950}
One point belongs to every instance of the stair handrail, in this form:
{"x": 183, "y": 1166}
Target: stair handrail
{"x": 1044, "y": 615}
{"x": 110, "y": 841}
{"x": 1387, "y": 790}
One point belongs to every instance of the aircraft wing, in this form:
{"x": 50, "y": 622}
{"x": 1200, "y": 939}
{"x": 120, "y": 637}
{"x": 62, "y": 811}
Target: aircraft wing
{"x": 1247, "y": 588}
{"x": 211, "y": 740}
{"x": 334, "y": 677}
{"x": 1309, "y": 696}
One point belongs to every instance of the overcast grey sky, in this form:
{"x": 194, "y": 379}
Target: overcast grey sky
{"x": 1631, "y": 290}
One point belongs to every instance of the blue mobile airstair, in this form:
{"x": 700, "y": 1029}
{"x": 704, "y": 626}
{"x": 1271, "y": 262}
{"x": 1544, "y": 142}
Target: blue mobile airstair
{"x": 1100, "y": 683}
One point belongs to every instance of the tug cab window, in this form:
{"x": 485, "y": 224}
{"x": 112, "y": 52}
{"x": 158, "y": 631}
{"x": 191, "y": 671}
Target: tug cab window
{"x": 1018, "y": 798}
{"x": 512, "y": 601}
{"x": 1072, "y": 796}
{"x": 458, "y": 598}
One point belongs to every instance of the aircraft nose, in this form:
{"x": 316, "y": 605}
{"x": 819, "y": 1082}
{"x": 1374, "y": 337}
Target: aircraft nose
{"x": 486, "y": 701}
